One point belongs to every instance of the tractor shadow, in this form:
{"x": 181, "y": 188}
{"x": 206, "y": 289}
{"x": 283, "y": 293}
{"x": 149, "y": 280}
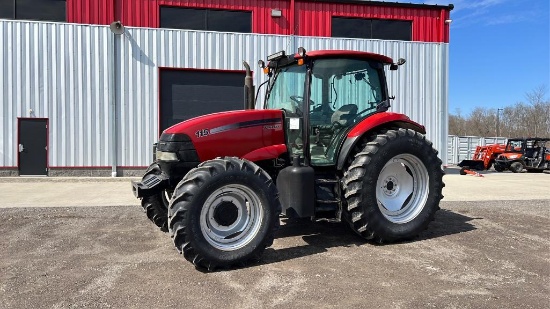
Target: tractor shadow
{"x": 320, "y": 236}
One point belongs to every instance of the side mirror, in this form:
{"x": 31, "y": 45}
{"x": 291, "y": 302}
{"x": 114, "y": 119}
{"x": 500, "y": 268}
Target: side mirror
{"x": 394, "y": 66}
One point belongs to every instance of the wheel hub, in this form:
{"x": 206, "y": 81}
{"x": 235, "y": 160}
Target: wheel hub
{"x": 390, "y": 186}
{"x": 226, "y": 213}
{"x": 231, "y": 217}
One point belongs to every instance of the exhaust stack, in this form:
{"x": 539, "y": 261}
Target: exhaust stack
{"x": 248, "y": 88}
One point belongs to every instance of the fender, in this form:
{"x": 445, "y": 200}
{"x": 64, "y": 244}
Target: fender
{"x": 266, "y": 153}
{"x": 379, "y": 119}
{"x": 371, "y": 123}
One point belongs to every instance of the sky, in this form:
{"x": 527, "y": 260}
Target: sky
{"x": 499, "y": 51}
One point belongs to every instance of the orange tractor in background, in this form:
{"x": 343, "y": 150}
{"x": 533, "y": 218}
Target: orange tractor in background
{"x": 483, "y": 158}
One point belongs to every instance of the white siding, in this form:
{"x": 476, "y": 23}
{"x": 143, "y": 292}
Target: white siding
{"x": 62, "y": 72}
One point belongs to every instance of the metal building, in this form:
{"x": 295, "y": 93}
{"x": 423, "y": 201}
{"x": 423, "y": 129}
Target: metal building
{"x": 79, "y": 100}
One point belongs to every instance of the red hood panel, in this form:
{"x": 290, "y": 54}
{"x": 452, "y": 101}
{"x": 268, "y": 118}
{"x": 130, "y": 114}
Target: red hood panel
{"x": 233, "y": 133}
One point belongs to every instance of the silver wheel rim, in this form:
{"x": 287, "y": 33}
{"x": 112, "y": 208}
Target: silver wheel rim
{"x": 231, "y": 217}
{"x": 402, "y": 188}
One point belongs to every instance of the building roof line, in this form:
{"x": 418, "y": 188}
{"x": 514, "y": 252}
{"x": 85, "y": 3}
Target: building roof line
{"x": 449, "y": 7}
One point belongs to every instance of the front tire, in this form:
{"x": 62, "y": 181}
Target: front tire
{"x": 393, "y": 186}
{"x": 516, "y": 167}
{"x": 156, "y": 208}
{"x": 223, "y": 213}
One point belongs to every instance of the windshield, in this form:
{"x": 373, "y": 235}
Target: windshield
{"x": 514, "y": 146}
{"x": 343, "y": 82}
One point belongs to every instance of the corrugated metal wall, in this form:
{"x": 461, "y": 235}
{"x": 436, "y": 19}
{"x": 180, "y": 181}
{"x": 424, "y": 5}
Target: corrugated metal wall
{"x": 56, "y": 71}
{"x": 145, "y": 13}
{"x": 70, "y": 85}
{"x": 315, "y": 18}
{"x": 311, "y": 18}
{"x": 91, "y": 11}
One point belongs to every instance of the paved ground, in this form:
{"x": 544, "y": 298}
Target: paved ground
{"x": 489, "y": 247}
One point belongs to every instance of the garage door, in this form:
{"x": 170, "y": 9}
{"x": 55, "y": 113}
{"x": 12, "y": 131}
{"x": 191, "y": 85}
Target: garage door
{"x": 185, "y": 94}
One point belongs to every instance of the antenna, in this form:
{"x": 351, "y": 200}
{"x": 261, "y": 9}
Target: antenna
{"x": 117, "y": 27}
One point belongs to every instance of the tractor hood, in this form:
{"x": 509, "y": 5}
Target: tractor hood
{"x": 251, "y": 134}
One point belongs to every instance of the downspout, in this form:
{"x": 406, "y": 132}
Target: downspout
{"x": 112, "y": 119}
{"x": 117, "y": 29}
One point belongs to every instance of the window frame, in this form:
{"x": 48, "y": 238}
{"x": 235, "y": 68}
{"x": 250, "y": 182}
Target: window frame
{"x": 370, "y": 21}
{"x": 14, "y": 16}
{"x": 205, "y": 11}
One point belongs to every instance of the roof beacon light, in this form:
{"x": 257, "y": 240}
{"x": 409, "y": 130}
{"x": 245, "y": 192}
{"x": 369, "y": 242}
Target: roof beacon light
{"x": 276, "y": 56}
{"x": 261, "y": 64}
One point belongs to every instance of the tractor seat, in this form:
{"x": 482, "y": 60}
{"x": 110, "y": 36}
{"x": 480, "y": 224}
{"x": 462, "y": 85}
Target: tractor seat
{"x": 531, "y": 153}
{"x": 344, "y": 115}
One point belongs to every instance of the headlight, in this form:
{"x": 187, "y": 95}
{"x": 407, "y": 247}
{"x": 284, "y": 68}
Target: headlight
{"x": 166, "y": 156}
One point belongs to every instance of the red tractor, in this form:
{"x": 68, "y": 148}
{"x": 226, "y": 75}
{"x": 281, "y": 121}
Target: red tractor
{"x": 324, "y": 147}
{"x": 530, "y": 154}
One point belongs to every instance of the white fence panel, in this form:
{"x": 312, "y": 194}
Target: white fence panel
{"x": 463, "y": 147}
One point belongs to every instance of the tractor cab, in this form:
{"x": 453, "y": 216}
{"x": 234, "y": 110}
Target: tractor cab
{"x": 323, "y": 95}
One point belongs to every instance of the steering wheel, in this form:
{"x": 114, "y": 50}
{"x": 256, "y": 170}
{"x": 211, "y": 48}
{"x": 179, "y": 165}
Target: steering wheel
{"x": 299, "y": 100}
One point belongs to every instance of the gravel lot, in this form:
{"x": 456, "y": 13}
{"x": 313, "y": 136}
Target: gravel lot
{"x": 485, "y": 253}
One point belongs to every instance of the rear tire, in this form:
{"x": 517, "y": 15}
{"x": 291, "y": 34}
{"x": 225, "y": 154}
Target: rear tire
{"x": 223, "y": 213}
{"x": 393, "y": 186}
{"x": 516, "y": 167}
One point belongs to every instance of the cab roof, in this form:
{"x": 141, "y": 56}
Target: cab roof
{"x": 349, "y": 54}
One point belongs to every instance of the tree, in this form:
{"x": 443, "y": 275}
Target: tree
{"x": 523, "y": 119}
